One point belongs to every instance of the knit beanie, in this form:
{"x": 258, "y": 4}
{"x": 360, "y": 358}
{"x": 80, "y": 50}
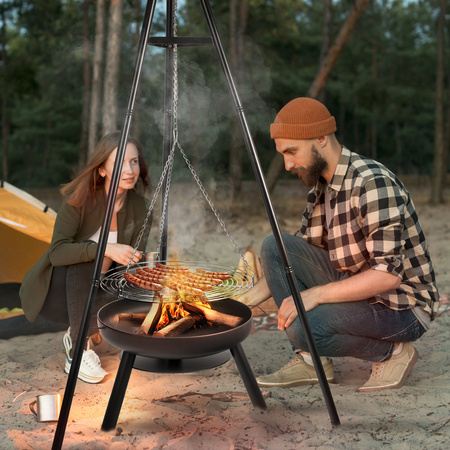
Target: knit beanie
{"x": 303, "y": 118}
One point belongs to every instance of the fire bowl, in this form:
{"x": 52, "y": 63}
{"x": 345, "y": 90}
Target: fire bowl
{"x": 191, "y": 344}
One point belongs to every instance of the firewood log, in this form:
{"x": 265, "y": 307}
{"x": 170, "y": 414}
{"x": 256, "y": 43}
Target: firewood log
{"x": 213, "y": 316}
{"x": 136, "y": 317}
{"x": 256, "y": 263}
{"x": 179, "y": 326}
{"x": 152, "y": 317}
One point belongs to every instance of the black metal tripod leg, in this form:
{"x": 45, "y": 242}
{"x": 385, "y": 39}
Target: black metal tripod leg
{"x": 248, "y": 377}
{"x": 118, "y": 392}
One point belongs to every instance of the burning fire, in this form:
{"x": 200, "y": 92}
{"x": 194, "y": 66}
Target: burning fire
{"x": 180, "y": 297}
{"x": 172, "y": 306}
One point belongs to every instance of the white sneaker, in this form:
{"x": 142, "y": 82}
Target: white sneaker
{"x": 91, "y": 370}
{"x": 67, "y": 341}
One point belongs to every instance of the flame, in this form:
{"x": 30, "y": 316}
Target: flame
{"x": 172, "y": 307}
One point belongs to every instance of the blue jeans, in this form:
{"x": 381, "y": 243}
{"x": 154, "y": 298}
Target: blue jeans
{"x": 360, "y": 329}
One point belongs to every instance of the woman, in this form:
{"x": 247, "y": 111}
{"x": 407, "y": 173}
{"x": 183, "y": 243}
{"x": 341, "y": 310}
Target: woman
{"x": 56, "y": 287}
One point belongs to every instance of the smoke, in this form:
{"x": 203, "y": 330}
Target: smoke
{"x": 205, "y": 107}
{"x": 187, "y": 217}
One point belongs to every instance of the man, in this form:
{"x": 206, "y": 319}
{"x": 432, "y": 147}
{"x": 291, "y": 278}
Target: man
{"x": 360, "y": 258}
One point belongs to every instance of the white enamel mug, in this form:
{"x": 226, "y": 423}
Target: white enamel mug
{"x": 46, "y": 407}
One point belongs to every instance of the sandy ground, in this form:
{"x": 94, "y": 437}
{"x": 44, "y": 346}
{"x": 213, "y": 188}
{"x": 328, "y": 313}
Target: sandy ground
{"x": 210, "y": 409}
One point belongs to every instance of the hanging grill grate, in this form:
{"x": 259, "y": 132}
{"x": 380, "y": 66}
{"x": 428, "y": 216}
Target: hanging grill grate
{"x": 240, "y": 282}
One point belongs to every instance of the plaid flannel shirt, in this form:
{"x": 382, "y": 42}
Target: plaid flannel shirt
{"x": 366, "y": 219}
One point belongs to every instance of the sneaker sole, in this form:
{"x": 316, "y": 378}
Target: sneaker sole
{"x": 82, "y": 376}
{"x": 408, "y": 369}
{"x": 292, "y": 383}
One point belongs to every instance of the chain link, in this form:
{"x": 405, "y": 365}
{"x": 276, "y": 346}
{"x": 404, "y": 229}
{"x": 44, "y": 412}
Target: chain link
{"x": 168, "y": 168}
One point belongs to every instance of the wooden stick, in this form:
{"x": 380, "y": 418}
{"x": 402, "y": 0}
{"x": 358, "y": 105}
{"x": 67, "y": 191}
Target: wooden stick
{"x": 179, "y": 326}
{"x": 257, "y": 268}
{"x": 216, "y": 317}
{"x": 152, "y": 318}
{"x": 136, "y": 317}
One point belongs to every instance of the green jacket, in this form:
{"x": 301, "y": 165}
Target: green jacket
{"x": 70, "y": 245}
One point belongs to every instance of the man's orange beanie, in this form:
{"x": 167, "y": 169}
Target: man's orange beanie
{"x": 303, "y": 118}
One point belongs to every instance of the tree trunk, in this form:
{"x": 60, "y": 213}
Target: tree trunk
{"x": 46, "y": 147}
{"x": 110, "y": 93}
{"x": 86, "y": 87}
{"x": 238, "y": 23}
{"x": 137, "y": 105}
{"x": 322, "y": 76}
{"x": 398, "y": 147}
{"x": 326, "y": 38}
{"x": 4, "y": 118}
{"x": 96, "y": 74}
{"x": 335, "y": 50}
{"x": 439, "y": 165}
{"x": 373, "y": 120}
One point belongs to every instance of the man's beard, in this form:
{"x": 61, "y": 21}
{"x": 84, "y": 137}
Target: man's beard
{"x": 311, "y": 175}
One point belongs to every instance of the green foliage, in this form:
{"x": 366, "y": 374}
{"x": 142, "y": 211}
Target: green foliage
{"x": 384, "y": 81}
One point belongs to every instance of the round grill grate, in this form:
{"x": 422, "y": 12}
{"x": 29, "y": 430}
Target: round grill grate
{"x": 240, "y": 281}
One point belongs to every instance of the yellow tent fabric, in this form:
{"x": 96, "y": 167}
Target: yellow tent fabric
{"x": 25, "y": 232}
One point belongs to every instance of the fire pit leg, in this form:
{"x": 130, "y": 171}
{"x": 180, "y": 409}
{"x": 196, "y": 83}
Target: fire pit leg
{"x": 248, "y": 377}
{"x": 118, "y": 392}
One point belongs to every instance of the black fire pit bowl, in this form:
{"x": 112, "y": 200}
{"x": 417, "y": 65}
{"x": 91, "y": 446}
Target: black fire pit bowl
{"x": 191, "y": 344}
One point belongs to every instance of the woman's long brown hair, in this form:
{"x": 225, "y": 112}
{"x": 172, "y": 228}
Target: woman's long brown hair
{"x": 88, "y": 182}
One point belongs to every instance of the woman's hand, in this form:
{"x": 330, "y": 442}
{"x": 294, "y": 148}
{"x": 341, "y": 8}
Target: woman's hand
{"x": 288, "y": 311}
{"x": 121, "y": 253}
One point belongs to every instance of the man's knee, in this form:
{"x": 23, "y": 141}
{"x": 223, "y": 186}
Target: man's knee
{"x": 268, "y": 248}
{"x": 297, "y": 336}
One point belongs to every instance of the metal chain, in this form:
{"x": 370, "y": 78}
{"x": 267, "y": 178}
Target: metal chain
{"x": 169, "y": 166}
{"x": 165, "y": 203}
{"x": 213, "y": 208}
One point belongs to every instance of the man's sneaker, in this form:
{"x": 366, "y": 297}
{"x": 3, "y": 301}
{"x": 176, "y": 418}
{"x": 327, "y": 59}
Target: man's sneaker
{"x": 392, "y": 373}
{"x": 91, "y": 370}
{"x": 296, "y": 373}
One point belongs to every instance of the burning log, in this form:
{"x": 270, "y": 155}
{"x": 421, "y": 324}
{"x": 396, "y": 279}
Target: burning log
{"x": 152, "y": 317}
{"x": 213, "y": 316}
{"x": 136, "y": 317}
{"x": 179, "y": 326}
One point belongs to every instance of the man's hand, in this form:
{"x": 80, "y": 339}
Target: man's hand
{"x": 288, "y": 311}
{"x": 358, "y": 287}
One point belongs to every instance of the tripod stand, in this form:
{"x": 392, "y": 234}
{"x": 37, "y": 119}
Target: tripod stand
{"x": 168, "y": 43}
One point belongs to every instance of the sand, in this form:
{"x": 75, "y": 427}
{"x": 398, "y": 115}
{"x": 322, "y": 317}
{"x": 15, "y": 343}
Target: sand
{"x": 210, "y": 409}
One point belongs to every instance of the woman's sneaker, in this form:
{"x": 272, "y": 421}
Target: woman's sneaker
{"x": 91, "y": 370}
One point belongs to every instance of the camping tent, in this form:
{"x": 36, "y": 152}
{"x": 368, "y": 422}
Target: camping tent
{"x": 26, "y": 227}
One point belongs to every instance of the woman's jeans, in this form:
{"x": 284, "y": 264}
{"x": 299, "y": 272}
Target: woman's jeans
{"x": 359, "y": 328}
{"x": 67, "y": 297}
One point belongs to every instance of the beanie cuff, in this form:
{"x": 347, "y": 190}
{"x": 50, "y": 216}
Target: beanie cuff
{"x": 303, "y": 131}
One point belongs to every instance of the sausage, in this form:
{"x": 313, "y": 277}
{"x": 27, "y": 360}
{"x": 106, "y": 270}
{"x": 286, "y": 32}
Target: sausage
{"x": 219, "y": 275}
{"x": 170, "y": 269}
{"x": 177, "y": 286}
{"x": 143, "y": 284}
{"x": 185, "y": 280}
{"x": 150, "y": 276}
{"x": 205, "y": 278}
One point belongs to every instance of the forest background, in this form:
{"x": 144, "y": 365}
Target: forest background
{"x": 381, "y": 66}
